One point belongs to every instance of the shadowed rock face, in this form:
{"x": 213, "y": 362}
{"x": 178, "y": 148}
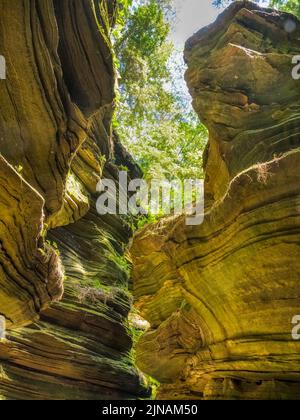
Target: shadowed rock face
{"x": 56, "y": 144}
{"x": 221, "y": 297}
{"x": 45, "y": 118}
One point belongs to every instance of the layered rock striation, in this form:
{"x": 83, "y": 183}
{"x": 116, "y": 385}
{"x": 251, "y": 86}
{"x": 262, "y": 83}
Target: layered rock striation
{"x": 221, "y": 297}
{"x": 63, "y": 268}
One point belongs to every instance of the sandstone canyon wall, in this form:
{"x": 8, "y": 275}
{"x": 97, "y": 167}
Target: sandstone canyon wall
{"x": 221, "y": 297}
{"x": 56, "y": 143}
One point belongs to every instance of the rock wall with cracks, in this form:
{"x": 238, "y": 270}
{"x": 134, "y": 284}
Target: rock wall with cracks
{"x": 221, "y": 297}
{"x": 56, "y": 143}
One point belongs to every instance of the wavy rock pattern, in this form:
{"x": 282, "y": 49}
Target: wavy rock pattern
{"x": 29, "y": 276}
{"x": 60, "y": 58}
{"x": 56, "y": 143}
{"x": 220, "y": 297}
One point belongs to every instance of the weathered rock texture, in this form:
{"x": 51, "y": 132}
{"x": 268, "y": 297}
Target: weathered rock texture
{"x": 220, "y": 297}
{"x": 56, "y": 144}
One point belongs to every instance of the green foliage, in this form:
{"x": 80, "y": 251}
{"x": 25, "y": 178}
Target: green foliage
{"x": 54, "y": 246}
{"x": 154, "y": 385}
{"x": 122, "y": 263}
{"x": 292, "y": 6}
{"x": 152, "y": 118}
{"x": 122, "y": 11}
{"x": 146, "y": 30}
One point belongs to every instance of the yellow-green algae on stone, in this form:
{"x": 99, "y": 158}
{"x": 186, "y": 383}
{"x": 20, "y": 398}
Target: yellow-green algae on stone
{"x": 221, "y": 297}
{"x": 56, "y": 143}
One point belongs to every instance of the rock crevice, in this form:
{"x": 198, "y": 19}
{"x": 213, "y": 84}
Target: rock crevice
{"x": 56, "y": 143}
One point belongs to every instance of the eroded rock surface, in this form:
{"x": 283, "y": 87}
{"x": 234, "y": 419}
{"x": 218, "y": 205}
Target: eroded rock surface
{"x": 45, "y": 114}
{"x": 30, "y": 271}
{"x": 56, "y": 143}
{"x": 221, "y": 297}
